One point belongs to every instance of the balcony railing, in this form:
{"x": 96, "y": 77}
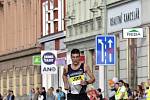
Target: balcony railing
{"x": 84, "y": 27}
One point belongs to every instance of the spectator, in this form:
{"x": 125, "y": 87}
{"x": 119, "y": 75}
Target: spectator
{"x": 5, "y": 96}
{"x": 50, "y": 95}
{"x": 117, "y": 93}
{"x": 112, "y": 94}
{"x": 123, "y": 91}
{"x": 62, "y": 94}
{"x": 32, "y": 94}
{"x": 148, "y": 82}
{"x": 37, "y": 92}
{"x": 43, "y": 91}
{"x": 135, "y": 95}
{"x": 113, "y": 90}
{"x": 93, "y": 95}
{"x": 100, "y": 96}
{"x": 10, "y": 95}
{"x": 1, "y": 97}
{"x": 147, "y": 92}
{"x": 57, "y": 94}
{"x": 143, "y": 85}
{"x": 140, "y": 91}
{"x": 128, "y": 91}
{"x": 40, "y": 96}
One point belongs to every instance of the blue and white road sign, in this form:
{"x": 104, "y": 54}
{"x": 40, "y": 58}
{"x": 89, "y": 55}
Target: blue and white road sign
{"x": 105, "y": 49}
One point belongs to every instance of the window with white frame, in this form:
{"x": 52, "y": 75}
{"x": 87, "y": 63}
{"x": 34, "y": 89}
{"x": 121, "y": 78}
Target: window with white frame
{"x": 45, "y": 18}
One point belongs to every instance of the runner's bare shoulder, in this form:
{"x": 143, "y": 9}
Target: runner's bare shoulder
{"x": 66, "y": 69}
{"x": 86, "y": 68}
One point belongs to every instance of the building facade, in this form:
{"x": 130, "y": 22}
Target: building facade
{"x": 132, "y": 54}
{"x": 53, "y": 34}
{"x": 83, "y": 24}
{"x": 87, "y": 18}
{"x": 20, "y": 27}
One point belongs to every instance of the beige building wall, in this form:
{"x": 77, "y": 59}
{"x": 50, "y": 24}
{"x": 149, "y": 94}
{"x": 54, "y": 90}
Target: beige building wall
{"x": 20, "y": 24}
{"x": 19, "y": 74}
{"x": 20, "y": 27}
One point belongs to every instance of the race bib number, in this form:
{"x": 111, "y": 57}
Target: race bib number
{"x": 76, "y": 79}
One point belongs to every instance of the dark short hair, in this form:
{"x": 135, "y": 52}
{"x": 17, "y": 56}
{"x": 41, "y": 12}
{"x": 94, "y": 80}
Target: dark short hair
{"x": 52, "y": 88}
{"x": 57, "y": 90}
{"x": 43, "y": 88}
{"x": 117, "y": 83}
{"x": 121, "y": 81}
{"x": 11, "y": 91}
{"x": 99, "y": 90}
{"x": 127, "y": 85}
{"x": 75, "y": 51}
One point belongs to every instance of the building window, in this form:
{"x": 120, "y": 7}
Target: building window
{"x": 24, "y": 80}
{"x": 86, "y": 28}
{"x": 55, "y": 3}
{"x": 70, "y": 31}
{"x": 55, "y": 14}
{"x": 31, "y": 70}
{"x": 81, "y": 29}
{"x": 17, "y": 74}
{"x": 49, "y": 45}
{"x": 76, "y": 29}
{"x": 38, "y": 70}
{"x": 62, "y": 45}
{"x": 49, "y": 31}
{"x": 39, "y": 81}
{"x": 55, "y": 26}
{"x": 92, "y": 25}
{"x": 31, "y": 80}
{"x": 24, "y": 90}
{"x": 10, "y": 78}
{"x": 4, "y": 80}
{"x": 24, "y": 72}
{"x": 45, "y": 18}
{"x": 31, "y": 75}
{"x": 17, "y": 81}
{"x": 99, "y": 23}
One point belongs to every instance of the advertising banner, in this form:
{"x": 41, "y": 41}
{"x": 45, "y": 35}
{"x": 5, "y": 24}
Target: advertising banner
{"x": 48, "y": 62}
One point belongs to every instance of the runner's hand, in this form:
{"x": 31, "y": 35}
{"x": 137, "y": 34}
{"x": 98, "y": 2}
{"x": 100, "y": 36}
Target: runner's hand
{"x": 83, "y": 82}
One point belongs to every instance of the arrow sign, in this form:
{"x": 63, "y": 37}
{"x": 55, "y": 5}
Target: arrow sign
{"x": 110, "y": 42}
{"x": 110, "y": 55}
{"x": 102, "y": 46}
{"x": 105, "y": 50}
